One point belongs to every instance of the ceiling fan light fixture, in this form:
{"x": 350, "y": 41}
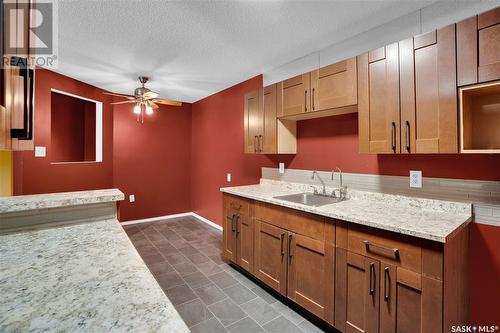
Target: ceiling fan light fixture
{"x": 137, "y": 109}
{"x": 149, "y": 110}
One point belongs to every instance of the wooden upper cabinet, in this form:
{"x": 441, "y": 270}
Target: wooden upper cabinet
{"x": 378, "y": 100}
{"x": 269, "y": 128}
{"x": 428, "y": 93}
{"x": 295, "y": 95}
{"x": 271, "y": 245}
{"x": 253, "y": 121}
{"x": 334, "y": 86}
{"x": 478, "y": 48}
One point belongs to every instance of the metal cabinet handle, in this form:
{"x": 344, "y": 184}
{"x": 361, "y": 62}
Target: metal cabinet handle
{"x": 290, "y": 246}
{"x": 372, "y": 279}
{"x": 237, "y": 217}
{"x": 313, "y": 106}
{"x": 232, "y": 223}
{"x": 282, "y": 238}
{"x": 305, "y": 100}
{"x": 386, "y": 281}
{"x": 407, "y": 136}
{"x": 261, "y": 143}
{"x": 394, "y": 251}
{"x": 255, "y": 144}
{"x": 393, "y": 136}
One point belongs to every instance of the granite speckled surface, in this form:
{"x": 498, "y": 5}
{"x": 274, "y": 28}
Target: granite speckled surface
{"x": 434, "y": 220}
{"x": 80, "y": 278}
{"x": 53, "y": 200}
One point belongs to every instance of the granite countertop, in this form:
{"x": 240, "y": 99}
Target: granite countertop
{"x": 53, "y": 200}
{"x": 85, "y": 277}
{"x": 435, "y": 220}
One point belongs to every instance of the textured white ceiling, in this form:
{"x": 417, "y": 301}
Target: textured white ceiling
{"x": 192, "y": 49}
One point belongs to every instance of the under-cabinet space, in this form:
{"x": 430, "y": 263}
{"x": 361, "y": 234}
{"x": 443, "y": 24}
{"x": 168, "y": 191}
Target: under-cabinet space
{"x": 480, "y": 118}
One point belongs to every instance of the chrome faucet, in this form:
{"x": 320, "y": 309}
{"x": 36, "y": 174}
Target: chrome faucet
{"x": 342, "y": 188}
{"x": 315, "y": 173}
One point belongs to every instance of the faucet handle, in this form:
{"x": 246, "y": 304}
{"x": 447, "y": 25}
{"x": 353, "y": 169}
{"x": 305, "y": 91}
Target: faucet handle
{"x": 315, "y": 191}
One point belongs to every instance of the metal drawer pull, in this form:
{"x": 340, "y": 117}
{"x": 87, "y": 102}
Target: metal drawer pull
{"x": 372, "y": 279}
{"x": 395, "y": 251}
{"x": 261, "y": 143}
{"x": 282, "y": 238}
{"x": 386, "y": 287}
{"x": 290, "y": 247}
{"x": 255, "y": 144}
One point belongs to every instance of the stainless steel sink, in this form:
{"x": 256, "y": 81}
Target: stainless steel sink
{"x": 309, "y": 199}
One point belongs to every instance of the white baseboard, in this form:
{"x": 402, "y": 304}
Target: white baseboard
{"x": 207, "y": 221}
{"x": 174, "y": 216}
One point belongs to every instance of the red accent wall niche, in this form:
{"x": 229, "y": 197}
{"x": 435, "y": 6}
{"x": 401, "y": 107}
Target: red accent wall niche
{"x": 34, "y": 175}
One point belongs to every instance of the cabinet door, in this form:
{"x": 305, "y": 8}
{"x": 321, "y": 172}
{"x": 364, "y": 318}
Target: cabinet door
{"x": 269, "y": 135}
{"x": 436, "y": 129}
{"x": 334, "y": 86}
{"x": 253, "y": 121}
{"x": 270, "y": 255}
{"x": 295, "y": 95}
{"x": 409, "y": 302}
{"x": 378, "y": 100}
{"x": 478, "y": 48}
{"x": 229, "y": 236}
{"x": 244, "y": 242}
{"x": 310, "y": 263}
{"x": 362, "y": 294}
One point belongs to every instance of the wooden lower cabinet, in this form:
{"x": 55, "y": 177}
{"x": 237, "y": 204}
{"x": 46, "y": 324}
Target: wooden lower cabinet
{"x": 356, "y": 278}
{"x": 238, "y": 235}
{"x": 310, "y": 274}
{"x": 271, "y": 255}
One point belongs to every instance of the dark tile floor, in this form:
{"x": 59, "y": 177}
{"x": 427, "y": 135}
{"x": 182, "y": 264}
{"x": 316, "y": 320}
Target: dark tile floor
{"x": 211, "y": 296}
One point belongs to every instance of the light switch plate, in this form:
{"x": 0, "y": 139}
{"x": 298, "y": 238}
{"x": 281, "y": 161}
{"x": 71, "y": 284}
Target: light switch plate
{"x": 131, "y": 198}
{"x": 228, "y": 178}
{"x": 282, "y": 167}
{"x": 416, "y": 178}
{"x": 40, "y": 151}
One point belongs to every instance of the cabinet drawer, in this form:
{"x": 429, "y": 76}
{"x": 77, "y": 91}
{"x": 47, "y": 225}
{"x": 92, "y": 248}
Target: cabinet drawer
{"x": 296, "y": 221}
{"x": 237, "y": 205}
{"x": 400, "y": 250}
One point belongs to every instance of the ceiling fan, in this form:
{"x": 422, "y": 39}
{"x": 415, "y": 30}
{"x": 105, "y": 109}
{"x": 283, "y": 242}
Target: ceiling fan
{"x": 144, "y": 99}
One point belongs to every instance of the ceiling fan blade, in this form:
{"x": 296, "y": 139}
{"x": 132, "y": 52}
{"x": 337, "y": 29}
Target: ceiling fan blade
{"x": 150, "y": 95}
{"x": 167, "y": 102}
{"x": 119, "y": 95}
{"x": 153, "y": 105}
{"x": 124, "y": 102}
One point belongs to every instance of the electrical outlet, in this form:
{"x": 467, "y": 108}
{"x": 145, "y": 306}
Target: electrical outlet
{"x": 40, "y": 151}
{"x": 228, "y": 177}
{"x": 416, "y": 178}
{"x": 131, "y": 198}
{"x": 282, "y": 167}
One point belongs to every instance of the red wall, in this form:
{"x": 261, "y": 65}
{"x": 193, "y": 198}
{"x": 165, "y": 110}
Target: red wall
{"x": 38, "y": 175}
{"x": 217, "y": 149}
{"x": 152, "y": 161}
